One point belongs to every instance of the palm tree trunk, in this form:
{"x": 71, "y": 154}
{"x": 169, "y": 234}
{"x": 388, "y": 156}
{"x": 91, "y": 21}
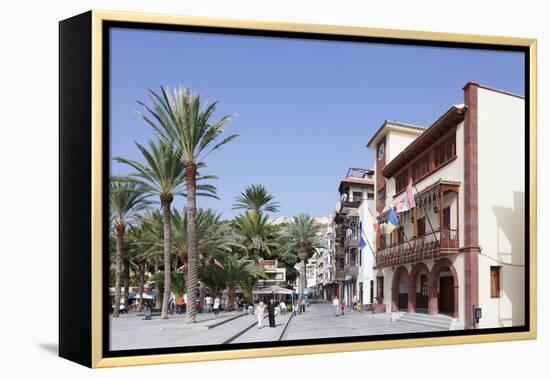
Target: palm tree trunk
{"x": 231, "y": 293}
{"x": 192, "y": 245}
{"x": 141, "y": 283}
{"x": 302, "y": 281}
{"x": 156, "y": 264}
{"x": 166, "y": 201}
{"x": 118, "y": 267}
{"x": 126, "y": 283}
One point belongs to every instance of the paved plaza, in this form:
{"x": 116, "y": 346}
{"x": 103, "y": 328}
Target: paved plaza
{"x": 130, "y": 331}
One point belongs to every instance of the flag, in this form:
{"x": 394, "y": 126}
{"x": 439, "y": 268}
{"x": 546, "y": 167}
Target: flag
{"x": 362, "y": 242}
{"x": 374, "y": 223}
{"x": 389, "y": 227}
{"x": 392, "y": 217}
{"x": 407, "y": 202}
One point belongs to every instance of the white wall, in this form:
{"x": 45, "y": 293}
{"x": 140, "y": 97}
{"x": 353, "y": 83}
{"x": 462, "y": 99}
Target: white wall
{"x": 501, "y": 197}
{"x": 396, "y": 141}
{"x": 365, "y": 273}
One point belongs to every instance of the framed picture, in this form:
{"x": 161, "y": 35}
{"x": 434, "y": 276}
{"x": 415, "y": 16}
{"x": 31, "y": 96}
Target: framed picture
{"x": 235, "y": 189}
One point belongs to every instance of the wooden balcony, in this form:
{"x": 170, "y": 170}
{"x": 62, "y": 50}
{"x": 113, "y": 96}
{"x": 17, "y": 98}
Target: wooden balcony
{"x": 351, "y": 203}
{"x": 433, "y": 245}
{"x": 351, "y": 242}
{"x": 351, "y": 269}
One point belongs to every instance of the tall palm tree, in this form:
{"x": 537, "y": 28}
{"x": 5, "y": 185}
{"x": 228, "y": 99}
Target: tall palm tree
{"x": 236, "y": 271}
{"x": 163, "y": 175}
{"x": 179, "y": 118}
{"x": 125, "y": 200}
{"x": 302, "y": 236}
{"x": 256, "y": 198}
{"x": 255, "y": 234}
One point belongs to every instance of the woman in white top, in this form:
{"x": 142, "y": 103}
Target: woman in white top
{"x": 217, "y": 306}
{"x": 260, "y": 313}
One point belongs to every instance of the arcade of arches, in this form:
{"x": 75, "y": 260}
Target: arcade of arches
{"x": 432, "y": 291}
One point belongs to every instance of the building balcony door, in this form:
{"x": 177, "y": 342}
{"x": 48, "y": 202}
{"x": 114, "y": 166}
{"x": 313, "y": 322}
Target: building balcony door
{"x": 446, "y": 295}
{"x": 422, "y": 296}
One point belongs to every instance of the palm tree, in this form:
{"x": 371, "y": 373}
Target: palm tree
{"x": 213, "y": 238}
{"x": 236, "y": 271}
{"x": 142, "y": 246}
{"x": 302, "y": 236}
{"x": 125, "y": 200}
{"x": 179, "y": 118}
{"x": 162, "y": 174}
{"x": 256, "y": 198}
{"x": 256, "y": 235}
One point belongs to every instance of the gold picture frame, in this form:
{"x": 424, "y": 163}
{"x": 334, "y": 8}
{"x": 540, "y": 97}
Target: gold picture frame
{"x": 91, "y": 25}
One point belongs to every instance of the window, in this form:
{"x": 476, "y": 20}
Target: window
{"x": 495, "y": 282}
{"x": 400, "y": 235}
{"x": 401, "y": 181}
{"x": 445, "y": 151}
{"x": 424, "y": 285}
{"x": 357, "y": 196}
{"x": 421, "y": 167}
{"x": 383, "y": 242}
{"x": 421, "y": 227}
{"x": 446, "y": 218}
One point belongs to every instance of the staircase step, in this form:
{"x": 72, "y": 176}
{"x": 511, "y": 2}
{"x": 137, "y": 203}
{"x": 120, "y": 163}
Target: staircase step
{"x": 428, "y": 323}
{"x": 429, "y": 318}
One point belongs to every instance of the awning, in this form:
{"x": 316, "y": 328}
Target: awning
{"x": 273, "y": 290}
{"x": 146, "y": 295}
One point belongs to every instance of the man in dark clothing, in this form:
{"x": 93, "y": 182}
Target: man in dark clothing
{"x": 271, "y": 313}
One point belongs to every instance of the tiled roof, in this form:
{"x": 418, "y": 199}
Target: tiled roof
{"x": 396, "y": 124}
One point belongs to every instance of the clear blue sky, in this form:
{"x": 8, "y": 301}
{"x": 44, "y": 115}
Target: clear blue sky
{"x": 306, "y": 108}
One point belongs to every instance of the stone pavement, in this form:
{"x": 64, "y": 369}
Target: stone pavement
{"x": 130, "y": 331}
{"x": 320, "y": 321}
{"x": 265, "y": 333}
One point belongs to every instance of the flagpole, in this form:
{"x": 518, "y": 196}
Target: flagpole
{"x": 425, "y": 211}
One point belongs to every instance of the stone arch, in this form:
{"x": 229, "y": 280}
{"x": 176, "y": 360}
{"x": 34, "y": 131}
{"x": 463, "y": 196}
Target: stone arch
{"x": 400, "y": 271}
{"x": 415, "y": 271}
{"x": 434, "y": 300}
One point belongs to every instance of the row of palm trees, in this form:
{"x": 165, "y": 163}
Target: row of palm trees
{"x": 212, "y": 251}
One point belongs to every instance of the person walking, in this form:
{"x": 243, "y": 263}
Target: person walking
{"x": 342, "y": 307}
{"x": 355, "y": 301}
{"x": 208, "y": 303}
{"x": 336, "y": 304}
{"x": 260, "y": 313}
{"x": 179, "y": 305}
{"x": 217, "y": 306}
{"x": 282, "y": 306}
{"x": 271, "y": 313}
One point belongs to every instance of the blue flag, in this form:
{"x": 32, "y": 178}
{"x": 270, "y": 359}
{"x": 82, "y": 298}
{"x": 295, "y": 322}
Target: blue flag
{"x": 392, "y": 217}
{"x": 362, "y": 243}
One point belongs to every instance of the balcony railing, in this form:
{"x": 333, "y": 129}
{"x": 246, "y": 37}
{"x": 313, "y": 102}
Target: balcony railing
{"x": 351, "y": 269}
{"x": 351, "y": 203}
{"x": 351, "y": 242}
{"x": 432, "y": 245}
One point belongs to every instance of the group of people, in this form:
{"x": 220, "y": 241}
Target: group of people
{"x": 339, "y": 306}
{"x": 212, "y": 304}
{"x": 260, "y": 312}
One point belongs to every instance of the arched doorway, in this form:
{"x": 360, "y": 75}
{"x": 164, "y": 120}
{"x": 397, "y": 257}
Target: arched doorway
{"x": 444, "y": 297}
{"x": 419, "y": 285}
{"x": 400, "y": 289}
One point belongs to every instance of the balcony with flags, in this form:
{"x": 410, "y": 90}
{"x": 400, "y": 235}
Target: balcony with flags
{"x": 419, "y": 226}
